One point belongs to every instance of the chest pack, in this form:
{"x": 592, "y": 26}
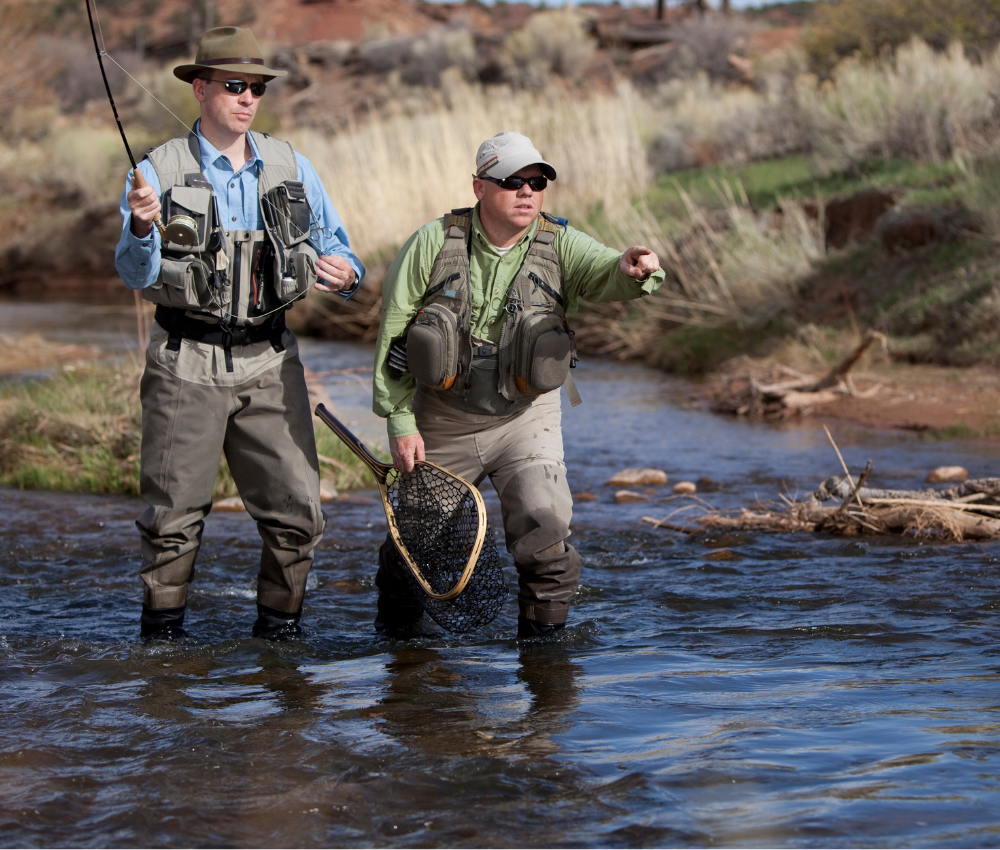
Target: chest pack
{"x": 536, "y": 349}
{"x": 238, "y": 278}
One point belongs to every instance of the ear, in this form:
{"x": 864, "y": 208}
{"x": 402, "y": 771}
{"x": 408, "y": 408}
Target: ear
{"x": 479, "y": 188}
{"x": 198, "y": 87}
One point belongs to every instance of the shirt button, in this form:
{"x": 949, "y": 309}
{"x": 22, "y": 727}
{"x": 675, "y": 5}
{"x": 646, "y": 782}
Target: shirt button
{"x": 232, "y": 185}
{"x": 234, "y": 218}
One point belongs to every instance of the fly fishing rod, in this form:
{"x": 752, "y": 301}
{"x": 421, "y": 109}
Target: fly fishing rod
{"x": 138, "y": 181}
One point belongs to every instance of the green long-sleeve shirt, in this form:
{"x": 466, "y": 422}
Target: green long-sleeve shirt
{"x": 590, "y": 272}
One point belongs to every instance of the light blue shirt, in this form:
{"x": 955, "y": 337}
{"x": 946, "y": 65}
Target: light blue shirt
{"x": 138, "y": 260}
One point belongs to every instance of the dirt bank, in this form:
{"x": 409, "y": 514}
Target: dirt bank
{"x": 940, "y": 402}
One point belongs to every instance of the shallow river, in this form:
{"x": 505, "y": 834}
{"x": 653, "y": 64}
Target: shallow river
{"x": 714, "y": 689}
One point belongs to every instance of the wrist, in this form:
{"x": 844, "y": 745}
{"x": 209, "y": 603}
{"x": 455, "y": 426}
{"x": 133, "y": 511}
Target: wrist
{"x": 140, "y": 229}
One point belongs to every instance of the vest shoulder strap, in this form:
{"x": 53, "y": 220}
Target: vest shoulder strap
{"x": 174, "y": 160}
{"x": 278, "y": 158}
{"x": 457, "y": 230}
{"x": 461, "y": 218}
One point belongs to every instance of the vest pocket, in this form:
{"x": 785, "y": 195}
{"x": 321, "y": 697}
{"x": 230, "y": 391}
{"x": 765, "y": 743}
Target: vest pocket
{"x": 541, "y": 354}
{"x": 300, "y": 273}
{"x": 182, "y": 283}
{"x": 432, "y": 347}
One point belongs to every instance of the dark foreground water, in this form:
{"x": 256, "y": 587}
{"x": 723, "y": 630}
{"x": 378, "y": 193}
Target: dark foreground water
{"x": 738, "y": 689}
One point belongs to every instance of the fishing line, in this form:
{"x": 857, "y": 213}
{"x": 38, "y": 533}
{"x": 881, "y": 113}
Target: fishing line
{"x": 137, "y": 178}
{"x": 103, "y": 51}
{"x": 140, "y": 85}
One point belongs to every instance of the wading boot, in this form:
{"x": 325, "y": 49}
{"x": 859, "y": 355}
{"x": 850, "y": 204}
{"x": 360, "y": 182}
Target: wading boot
{"x": 398, "y": 618}
{"x": 273, "y": 624}
{"x": 533, "y": 629}
{"x": 161, "y": 623}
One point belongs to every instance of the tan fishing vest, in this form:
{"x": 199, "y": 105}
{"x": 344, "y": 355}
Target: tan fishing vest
{"x": 235, "y": 277}
{"x": 536, "y": 348}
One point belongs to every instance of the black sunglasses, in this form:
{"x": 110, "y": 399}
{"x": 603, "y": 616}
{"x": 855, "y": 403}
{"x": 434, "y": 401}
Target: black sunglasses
{"x": 240, "y": 86}
{"x": 537, "y": 184}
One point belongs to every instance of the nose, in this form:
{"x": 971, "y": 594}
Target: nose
{"x": 525, "y": 191}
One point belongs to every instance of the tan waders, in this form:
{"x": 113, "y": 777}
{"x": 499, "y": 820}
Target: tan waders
{"x": 523, "y": 457}
{"x": 194, "y": 411}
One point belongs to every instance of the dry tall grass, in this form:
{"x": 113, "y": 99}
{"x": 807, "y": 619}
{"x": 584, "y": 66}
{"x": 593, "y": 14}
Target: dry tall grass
{"x": 916, "y": 103}
{"x": 395, "y": 173}
{"x": 919, "y": 103}
{"x": 727, "y": 267}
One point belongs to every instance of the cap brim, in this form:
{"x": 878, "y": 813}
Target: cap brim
{"x": 514, "y": 164}
{"x": 188, "y": 72}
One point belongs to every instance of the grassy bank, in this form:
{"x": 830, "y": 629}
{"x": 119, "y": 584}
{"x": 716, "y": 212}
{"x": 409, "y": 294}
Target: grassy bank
{"x": 79, "y": 430}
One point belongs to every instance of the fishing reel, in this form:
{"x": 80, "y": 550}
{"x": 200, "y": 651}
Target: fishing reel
{"x": 182, "y": 230}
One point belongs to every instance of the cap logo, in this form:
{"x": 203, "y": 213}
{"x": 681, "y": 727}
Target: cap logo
{"x": 486, "y": 166}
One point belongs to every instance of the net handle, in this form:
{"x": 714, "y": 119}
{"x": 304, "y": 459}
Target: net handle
{"x": 381, "y": 471}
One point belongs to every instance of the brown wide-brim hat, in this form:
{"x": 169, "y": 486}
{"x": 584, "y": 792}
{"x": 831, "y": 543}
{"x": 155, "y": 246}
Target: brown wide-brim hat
{"x": 228, "y": 49}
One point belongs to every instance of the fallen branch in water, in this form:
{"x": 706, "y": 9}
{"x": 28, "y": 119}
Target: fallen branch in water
{"x": 766, "y": 396}
{"x": 964, "y": 512}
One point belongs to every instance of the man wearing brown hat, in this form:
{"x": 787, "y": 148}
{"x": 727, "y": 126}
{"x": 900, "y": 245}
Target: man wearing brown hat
{"x": 249, "y": 229}
{"x": 472, "y": 350}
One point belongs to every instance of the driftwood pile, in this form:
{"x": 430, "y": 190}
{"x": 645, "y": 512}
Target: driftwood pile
{"x": 967, "y": 511}
{"x": 781, "y": 393}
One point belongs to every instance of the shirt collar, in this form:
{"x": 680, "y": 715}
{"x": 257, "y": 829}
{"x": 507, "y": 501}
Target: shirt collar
{"x": 477, "y": 228}
{"x": 210, "y": 155}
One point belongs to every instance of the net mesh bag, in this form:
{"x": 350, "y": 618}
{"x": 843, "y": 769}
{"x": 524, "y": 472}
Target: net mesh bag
{"x": 437, "y": 520}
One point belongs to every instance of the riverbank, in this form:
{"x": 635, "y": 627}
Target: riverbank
{"x": 70, "y": 420}
{"x": 937, "y": 402}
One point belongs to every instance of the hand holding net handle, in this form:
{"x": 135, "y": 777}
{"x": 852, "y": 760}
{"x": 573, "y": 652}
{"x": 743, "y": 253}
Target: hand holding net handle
{"x": 379, "y": 469}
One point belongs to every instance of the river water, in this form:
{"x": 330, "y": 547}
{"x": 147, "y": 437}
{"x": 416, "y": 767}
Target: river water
{"x": 734, "y": 689}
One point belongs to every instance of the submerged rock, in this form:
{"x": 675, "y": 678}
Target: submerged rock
{"x": 948, "y": 473}
{"x": 623, "y": 497}
{"x": 233, "y": 503}
{"x": 631, "y": 477}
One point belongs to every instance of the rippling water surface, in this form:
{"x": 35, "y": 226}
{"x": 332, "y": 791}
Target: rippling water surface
{"x": 715, "y": 689}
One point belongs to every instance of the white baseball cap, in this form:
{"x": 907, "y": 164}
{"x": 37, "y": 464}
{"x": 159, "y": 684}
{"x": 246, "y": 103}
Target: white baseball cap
{"x": 506, "y": 154}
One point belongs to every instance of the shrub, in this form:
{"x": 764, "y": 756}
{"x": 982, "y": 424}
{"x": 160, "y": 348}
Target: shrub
{"x": 551, "y": 42}
{"x": 916, "y": 104}
{"x": 867, "y": 27}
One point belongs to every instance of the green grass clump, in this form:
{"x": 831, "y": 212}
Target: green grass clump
{"x": 767, "y": 183}
{"x": 80, "y": 431}
{"x": 77, "y": 430}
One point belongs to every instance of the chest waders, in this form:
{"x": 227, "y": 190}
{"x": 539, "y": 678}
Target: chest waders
{"x": 536, "y": 349}
{"x": 230, "y": 287}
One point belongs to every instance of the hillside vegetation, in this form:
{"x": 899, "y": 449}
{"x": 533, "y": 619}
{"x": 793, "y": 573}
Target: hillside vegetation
{"x": 727, "y": 145}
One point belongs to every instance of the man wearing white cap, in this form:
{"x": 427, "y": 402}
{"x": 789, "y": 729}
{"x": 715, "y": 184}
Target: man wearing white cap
{"x": 249, "y": 231}
{"x": 472, "y": 349}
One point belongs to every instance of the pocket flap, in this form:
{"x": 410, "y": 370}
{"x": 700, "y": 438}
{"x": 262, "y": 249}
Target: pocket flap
{"x": 192, "y": 198}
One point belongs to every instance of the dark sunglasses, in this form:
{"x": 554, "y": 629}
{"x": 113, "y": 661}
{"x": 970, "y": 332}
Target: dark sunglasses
{"x": 239, "y": 86}
{"x": 537, "y": 184}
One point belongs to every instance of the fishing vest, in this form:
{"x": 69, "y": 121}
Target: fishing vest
{"x": 536, "y": 349}
{"x": 237, "y": 278}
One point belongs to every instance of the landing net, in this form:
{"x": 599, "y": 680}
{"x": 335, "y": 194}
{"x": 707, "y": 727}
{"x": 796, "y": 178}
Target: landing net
{"x": 437, "y": 520}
